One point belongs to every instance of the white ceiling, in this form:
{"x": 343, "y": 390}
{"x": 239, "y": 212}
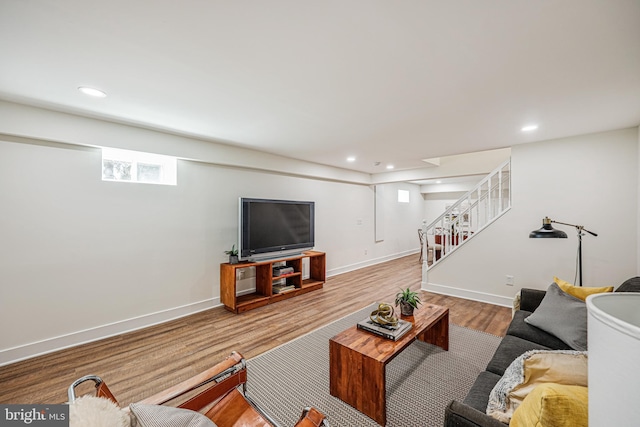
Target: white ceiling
{"x": 386, "y": 81}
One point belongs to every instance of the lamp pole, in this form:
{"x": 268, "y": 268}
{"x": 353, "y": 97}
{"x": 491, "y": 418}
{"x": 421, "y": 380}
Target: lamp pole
{"x": 579, "y": 229}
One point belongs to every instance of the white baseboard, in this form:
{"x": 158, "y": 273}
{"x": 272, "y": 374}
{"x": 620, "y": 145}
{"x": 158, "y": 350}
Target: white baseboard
{"x": 468, "y": 294}
{"x": 27, "y": 351}
{"x": 369, "y": 262}
{"x": 49, "y": 345}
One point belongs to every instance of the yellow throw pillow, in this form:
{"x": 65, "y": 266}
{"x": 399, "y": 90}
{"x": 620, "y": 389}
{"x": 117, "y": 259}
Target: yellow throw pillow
{"x": 579, "y": 291}
{"x": 553, "y": 405}
{"x": 528, "y": 371}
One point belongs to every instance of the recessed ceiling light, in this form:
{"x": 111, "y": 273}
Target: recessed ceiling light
{"x": 92, "y": 91}
{"x": 529, "y": 128}
{"x": 438, "y": 182}
{"x": 351, "y": 159}
{"x": 389, "y": 166}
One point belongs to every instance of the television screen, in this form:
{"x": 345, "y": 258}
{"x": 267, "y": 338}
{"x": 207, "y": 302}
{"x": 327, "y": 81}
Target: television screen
{"x": 272, "y": 228}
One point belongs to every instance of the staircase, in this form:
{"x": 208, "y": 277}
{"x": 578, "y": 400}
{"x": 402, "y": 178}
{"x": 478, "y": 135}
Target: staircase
{"x": 473, "y": 212}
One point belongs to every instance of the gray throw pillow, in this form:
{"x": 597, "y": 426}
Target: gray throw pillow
{"x": 167, "y": 416}
{"x": 562, "y": 315}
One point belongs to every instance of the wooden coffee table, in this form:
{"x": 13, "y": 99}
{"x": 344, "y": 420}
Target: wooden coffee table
{"x": 357, "y": 359}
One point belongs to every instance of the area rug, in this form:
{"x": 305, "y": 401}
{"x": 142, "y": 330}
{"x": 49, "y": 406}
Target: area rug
{"x": 421, "y": 381}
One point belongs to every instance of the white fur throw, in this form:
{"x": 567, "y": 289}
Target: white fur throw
{"x": 91, "y": 411}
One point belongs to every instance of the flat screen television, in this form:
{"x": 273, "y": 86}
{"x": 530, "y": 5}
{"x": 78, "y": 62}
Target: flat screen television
{"x": 270, "y": 229}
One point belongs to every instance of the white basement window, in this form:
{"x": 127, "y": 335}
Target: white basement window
{"x": 135, "y": 166}
{"x": 403, "y": 196}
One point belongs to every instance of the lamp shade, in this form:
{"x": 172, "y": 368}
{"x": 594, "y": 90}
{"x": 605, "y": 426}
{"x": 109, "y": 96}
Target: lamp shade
{"x": 613, "y": 330}
{"x": 547, "y": 231}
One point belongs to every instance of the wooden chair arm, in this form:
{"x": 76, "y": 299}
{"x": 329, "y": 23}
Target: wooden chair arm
{"x": 215, "y": 393}
{"x": 196, "y": 381}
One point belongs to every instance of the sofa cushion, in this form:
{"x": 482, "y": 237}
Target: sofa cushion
{"x": 511, "y": 347}
{"x": 553, "y": 405}
{"x": 458, "y": 414}
{"x": 630, "y": 285}
{"x": 531, "y": 369}
{"x": 478, "y": 396}
{"x": 521, "y": 329}
{"x": 562, "y": 315}
{"x": 530, "y": 299}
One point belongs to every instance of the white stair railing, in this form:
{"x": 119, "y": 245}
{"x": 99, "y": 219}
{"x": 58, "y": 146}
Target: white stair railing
{"x": 466, "y": 217}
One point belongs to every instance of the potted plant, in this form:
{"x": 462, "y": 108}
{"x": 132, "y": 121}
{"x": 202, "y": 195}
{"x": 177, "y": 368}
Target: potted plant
{"x": 408, "y": 301}
{"x": 233, "y": 254}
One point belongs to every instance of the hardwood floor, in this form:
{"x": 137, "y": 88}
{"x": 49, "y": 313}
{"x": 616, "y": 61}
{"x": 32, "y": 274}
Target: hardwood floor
{"x": 138, "y": 364}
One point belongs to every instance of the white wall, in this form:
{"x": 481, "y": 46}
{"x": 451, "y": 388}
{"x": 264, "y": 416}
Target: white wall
{"x": 401, "y": 220}
{"x": 82, "y": 259}
{"x": 38, "y": 123}
{"x": 589, "y": 180}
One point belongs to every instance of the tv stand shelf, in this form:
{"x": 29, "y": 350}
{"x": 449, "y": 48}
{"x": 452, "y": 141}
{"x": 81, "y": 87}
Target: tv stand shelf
{"x": 264, "y": 293}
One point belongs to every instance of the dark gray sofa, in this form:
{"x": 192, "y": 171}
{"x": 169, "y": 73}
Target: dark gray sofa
{"x": 520, "y": 338}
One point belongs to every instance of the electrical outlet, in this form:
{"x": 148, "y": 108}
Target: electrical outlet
{"x": 365, "y": 251}
{"x": 509, "y": 280}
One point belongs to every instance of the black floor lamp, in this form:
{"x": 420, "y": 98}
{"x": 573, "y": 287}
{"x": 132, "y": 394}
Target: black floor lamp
{"x": 547, "y": 231}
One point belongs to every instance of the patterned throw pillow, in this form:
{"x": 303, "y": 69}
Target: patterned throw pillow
{"x": 166, "y": 416}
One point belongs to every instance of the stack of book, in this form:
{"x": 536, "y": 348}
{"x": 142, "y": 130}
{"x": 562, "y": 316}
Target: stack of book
{"x": 386, "y": 331}
{"x": 279, "y": 288}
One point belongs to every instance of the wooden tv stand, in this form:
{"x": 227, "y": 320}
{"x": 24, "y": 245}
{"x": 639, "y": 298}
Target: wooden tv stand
{"x": 264, "y": 293}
